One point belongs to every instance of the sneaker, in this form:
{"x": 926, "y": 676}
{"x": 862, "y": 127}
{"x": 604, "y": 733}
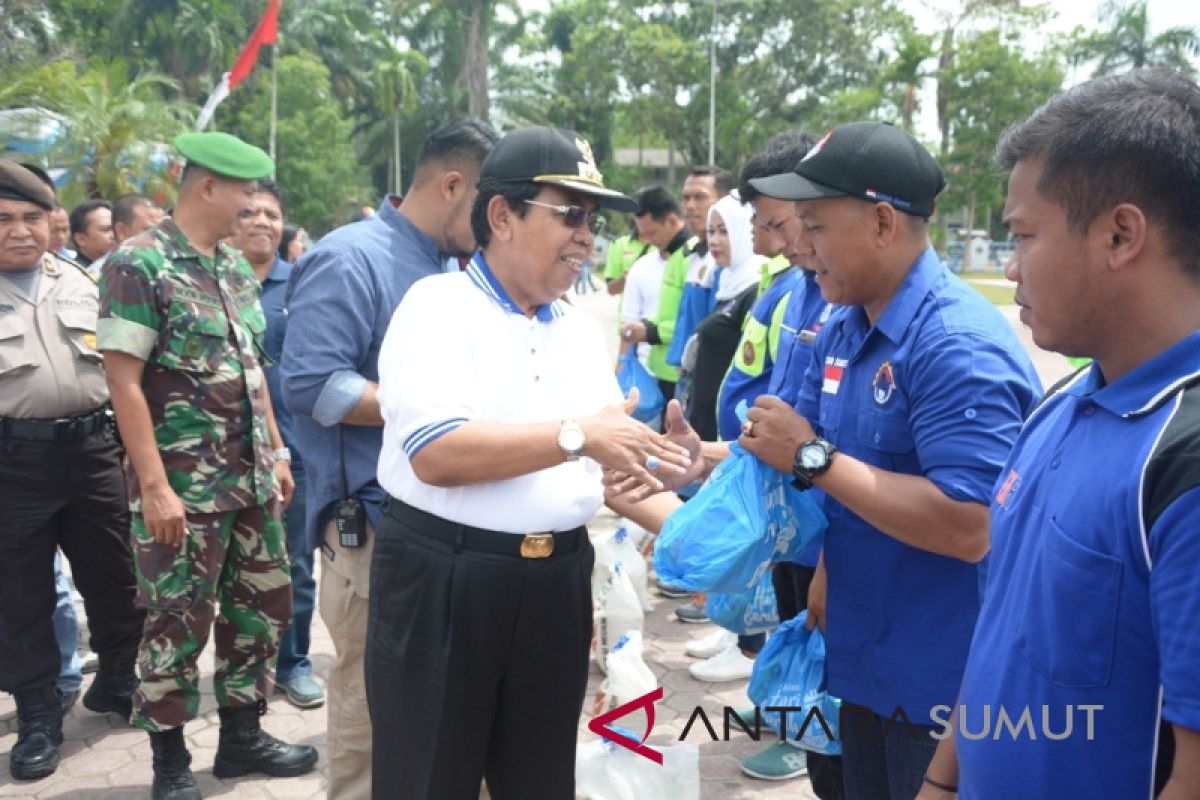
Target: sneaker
{"x": 303, "y": 692}
{"x": 779, "y": 762}
{"x": 674, "y": 592}
{"x": 713, "y": 644}
{"x": 89, "y": 662}
{"x": 729, "y": 665}
{"x": 690, "y": 612}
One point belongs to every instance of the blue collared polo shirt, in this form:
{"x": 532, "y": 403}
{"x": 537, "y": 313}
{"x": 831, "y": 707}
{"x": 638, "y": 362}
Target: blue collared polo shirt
{"x": 274, "y": 287}
{"x": 1093, "y": 593}
{"x": 938, "y": 387}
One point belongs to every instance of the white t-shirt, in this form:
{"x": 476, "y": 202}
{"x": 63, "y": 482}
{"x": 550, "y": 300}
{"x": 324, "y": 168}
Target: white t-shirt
{"x": 458, "y": 350}
{"x": 643, "y": 283}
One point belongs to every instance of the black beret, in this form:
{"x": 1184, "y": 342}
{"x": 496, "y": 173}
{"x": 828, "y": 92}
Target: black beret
{"x": 19, "y": 183}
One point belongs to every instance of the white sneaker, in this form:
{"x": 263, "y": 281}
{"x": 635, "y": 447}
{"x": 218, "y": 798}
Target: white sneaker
{"x": 714, "y": 644}
{"x": 729, "y": 665}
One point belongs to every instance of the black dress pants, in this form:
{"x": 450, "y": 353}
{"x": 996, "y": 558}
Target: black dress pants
{"x": 791, "y": 582}
{"x": 476, "y": 661}
{"x": 69, "y": 495}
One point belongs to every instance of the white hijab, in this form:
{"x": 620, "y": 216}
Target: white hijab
{"x": 745, "y": 268}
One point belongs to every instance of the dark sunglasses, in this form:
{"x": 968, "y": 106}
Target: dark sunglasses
{"x": 574, "y": 216}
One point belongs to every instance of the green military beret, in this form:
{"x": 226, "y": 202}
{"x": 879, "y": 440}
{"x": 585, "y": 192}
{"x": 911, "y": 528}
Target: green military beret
{"x": 225, "y": 155}
{"x": 19, "y": 183}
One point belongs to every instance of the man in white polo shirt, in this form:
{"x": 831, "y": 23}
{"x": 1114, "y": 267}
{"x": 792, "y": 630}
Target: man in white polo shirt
{"x": 500, "y": 408}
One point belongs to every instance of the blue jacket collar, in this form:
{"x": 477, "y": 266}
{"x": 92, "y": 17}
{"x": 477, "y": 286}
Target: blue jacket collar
{"x": 389, "y": 214}
{"x": 280, "y": 271}
{"x": 481, "y": 275}
{"x": 908, "y": 298}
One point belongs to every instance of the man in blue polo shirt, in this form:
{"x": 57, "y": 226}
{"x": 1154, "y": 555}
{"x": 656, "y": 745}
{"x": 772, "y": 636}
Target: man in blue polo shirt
{"x": 340, "y": 300}
{"x": 911, "y": 402}
{"x": 1087, "y": 652}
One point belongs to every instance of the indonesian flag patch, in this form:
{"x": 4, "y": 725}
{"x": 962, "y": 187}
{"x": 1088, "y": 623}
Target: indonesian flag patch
{"x": 834, "y": 367}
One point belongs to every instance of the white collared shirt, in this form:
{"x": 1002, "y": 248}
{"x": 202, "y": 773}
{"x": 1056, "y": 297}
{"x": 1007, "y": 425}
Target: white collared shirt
{"x": 458, "y": 350}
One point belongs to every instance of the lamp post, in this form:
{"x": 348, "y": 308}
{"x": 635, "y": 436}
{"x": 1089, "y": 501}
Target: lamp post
{"x": 712, "y": 87}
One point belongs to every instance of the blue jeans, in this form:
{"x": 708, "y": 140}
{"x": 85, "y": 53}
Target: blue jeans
{"x": 66, "y": 631}
{"x": 293, "y": 650}
{"x": 883, "y": 759}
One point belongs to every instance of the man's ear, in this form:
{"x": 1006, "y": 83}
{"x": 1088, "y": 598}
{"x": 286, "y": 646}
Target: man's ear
{"x": 885, "y": 221}
{"x": 452, "y": 184}
{"x": 1124, "y": 230}
{"x": 500, "y": 218}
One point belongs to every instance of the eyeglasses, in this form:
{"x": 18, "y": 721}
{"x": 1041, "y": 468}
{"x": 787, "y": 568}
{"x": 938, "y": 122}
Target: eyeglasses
{"x": 574, "y": 216}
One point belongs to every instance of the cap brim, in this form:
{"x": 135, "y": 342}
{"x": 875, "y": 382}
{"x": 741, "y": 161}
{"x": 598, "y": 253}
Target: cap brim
{"x": 607, "y": 198}
{"x": 791, "y": 186}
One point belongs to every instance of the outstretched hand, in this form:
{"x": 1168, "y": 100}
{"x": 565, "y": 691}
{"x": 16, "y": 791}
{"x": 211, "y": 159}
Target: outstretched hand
{"x": 679, "y": 434}
{"x": 621, "y": 444}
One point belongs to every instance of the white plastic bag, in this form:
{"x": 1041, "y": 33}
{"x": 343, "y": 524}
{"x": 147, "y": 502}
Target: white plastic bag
{"x": 628, "y": 677}
{"x": 622, "y": 547}
{"x": 617, "y": 611}
{"x": 605, "y": 771}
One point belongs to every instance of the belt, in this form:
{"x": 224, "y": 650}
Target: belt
{"x": 63, "y": 429}
{"x": 468, "y": 537}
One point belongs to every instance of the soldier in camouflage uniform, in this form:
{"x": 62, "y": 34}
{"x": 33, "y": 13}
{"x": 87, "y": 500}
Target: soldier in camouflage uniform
{"x": 181, "y": 329}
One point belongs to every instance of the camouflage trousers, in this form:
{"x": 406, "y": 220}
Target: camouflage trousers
{"x": 237, "y": 559}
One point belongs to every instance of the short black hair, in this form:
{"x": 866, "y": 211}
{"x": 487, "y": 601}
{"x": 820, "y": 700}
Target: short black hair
{"x": 722, "y": 178}
{"x": 780, "y": 154}
{"x": 268, "y": 186}
{"x": 466, "y": 140}
{"x": 124, "y": 206}
{"x": 1131, "y": 138}
{"x": 658, "y": 202}
{"x": 79, "y": 214}
{"x": 515, "y": 194}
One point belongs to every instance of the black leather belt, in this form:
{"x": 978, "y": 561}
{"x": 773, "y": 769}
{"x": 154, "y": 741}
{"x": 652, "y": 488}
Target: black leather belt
{"x": 63, "y": 429}
{"x": 467, "y": 537}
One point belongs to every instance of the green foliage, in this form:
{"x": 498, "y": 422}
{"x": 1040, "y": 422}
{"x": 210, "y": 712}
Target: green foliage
{"x": 113, "y": 120}
{"x": 318, "y": 168}
{"x": 1128, "y": 44}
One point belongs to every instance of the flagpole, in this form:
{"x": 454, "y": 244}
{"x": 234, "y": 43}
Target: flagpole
{"x": 274, "y": 97}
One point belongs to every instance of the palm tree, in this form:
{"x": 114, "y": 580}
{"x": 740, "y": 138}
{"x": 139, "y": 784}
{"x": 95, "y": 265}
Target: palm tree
{"x": 117, "y": 125}
{"x": 1127, "y": 44}
{"x": 393, "y": 79}
{"x": 25, "y": 31}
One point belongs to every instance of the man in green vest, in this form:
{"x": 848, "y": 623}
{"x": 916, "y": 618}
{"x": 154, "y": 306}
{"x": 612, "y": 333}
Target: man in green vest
{"x": 660, "y": 224}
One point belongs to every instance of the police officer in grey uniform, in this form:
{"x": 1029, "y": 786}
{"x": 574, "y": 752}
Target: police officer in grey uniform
{"x": 61, "y": 483}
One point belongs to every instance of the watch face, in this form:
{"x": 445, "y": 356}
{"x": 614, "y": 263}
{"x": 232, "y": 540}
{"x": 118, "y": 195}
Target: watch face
{"x": 812, "y": 456}
{"x": 571, "y": 439}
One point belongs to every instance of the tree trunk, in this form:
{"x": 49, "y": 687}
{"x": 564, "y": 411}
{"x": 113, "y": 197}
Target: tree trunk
{"x": 474, "y": 74}
{"x": 396, "y": 151}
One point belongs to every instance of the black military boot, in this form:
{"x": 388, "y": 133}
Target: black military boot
{"x": 173, "y": 780}
{"x": 114, "y": 685}
{"x": 244, "y": 747}
{"x": 39, "y": 733}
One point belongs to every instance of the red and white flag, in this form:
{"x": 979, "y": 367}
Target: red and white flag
{"x": 834, "y": 369}
{"x": 265, "y": 33}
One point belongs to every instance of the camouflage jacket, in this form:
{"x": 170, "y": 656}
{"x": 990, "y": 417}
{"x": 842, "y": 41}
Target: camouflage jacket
{"x": 197, "y": 323}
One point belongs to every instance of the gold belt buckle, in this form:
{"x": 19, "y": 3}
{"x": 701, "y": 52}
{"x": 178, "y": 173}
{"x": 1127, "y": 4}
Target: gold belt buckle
{"x": 537, "y": 545}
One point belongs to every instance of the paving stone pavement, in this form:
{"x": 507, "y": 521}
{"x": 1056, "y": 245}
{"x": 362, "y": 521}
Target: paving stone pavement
{"x": 102, "y": 759}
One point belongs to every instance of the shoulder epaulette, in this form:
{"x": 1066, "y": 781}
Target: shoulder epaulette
{"x": 73, "y": 263}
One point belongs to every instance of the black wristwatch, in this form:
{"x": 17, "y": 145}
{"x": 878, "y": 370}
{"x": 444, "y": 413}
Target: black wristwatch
{"x": 812, "y": 459}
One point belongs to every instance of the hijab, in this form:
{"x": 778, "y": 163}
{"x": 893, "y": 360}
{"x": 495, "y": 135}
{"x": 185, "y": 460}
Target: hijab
{"x": 745, "y": 268}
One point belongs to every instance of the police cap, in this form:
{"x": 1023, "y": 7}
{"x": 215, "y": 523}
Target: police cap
{"x": 19, "y": 183}
{"x": 225, "y": 155}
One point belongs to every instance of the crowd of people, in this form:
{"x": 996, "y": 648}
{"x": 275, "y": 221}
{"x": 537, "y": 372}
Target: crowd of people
{"x": 194, "y": 406}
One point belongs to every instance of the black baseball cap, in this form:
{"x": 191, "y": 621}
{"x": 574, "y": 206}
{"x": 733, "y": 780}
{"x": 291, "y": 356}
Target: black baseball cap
{"x": 555, "y": 156}
{"x": 870, "y": 160}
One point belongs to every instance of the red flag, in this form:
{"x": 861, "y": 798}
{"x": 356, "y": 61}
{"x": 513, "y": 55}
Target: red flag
{"x": 265, "y": 33}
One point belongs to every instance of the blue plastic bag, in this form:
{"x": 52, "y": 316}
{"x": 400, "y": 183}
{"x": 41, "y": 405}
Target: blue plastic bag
{"x": 650, "y": 398}
{"x": 746, "y": 517}
{"x": 790, "y": 673}
{"x": 751, "y": 611}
